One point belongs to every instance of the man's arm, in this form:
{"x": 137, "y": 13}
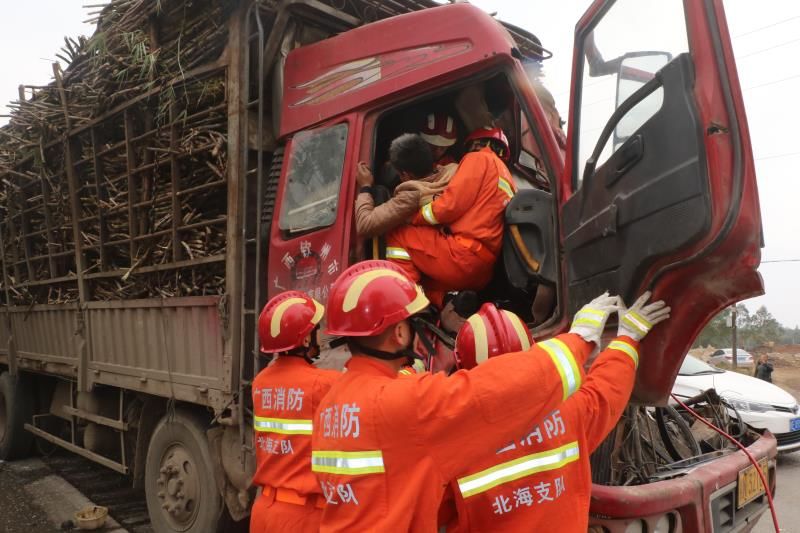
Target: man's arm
{"x": 372, "y": 220}
{"x": 456, "y": 419}
{"x": 460, "y": 194}
{"x": 606, "y": 391}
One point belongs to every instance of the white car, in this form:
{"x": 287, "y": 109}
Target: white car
{"x": 725, "y": 355}
{"x": 761, "y": 405}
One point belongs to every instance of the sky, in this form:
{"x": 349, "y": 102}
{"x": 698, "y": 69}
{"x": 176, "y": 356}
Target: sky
{"x": 766, "y": 46}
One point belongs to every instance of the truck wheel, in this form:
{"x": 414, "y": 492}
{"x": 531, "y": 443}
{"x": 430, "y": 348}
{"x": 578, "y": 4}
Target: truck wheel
{"x": 180, "y": 489}
{"x": 16, "y": 408}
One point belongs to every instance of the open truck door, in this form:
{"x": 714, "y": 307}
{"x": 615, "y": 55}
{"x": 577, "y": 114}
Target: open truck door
{"x": 659, "y": 190}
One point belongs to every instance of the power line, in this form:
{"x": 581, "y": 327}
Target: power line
{"x": 782, "y": 21}
{"x": 771, "y": 82}
{"x": 768, "y": 49}
{"x": 781, "y": 261}
{"x": 776, "y": 156}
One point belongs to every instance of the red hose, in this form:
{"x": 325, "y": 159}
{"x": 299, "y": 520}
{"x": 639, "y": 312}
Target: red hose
{"x": 746, "y": 452}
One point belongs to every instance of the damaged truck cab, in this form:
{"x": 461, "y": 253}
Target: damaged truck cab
{"x": 656, "y": 192}
{"x": 143, "y": 230}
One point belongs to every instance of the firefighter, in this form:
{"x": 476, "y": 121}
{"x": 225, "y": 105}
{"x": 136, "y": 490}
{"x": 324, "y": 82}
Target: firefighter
{"x": 285, "y": 398}
{"x": 439, "y": 131}
{"x": 385, "y": 446}
{"x": 453, "y": 242}
{"x": 541, "y": 480}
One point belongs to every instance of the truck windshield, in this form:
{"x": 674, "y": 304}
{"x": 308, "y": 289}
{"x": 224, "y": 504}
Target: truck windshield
{"x": 313, "y": 178}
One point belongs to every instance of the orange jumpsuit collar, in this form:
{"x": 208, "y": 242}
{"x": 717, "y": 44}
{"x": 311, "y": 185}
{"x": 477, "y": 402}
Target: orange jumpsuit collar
{"x": 368, "y": 365}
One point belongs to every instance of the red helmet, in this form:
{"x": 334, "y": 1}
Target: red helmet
{"x": 439, "y": 130}
{"x": 286, "y": 320}
{"x": 488, "y": 333}
{"x": 369, "y": 297}
{"x": 494, "y": 134}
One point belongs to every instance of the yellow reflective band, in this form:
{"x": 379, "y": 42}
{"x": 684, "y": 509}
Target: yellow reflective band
{"x": 481, "y": 340}
{"x": 275, "y": 323}
{"x": 354, "y": 291}
{"x": 284, "y": 426}
{"x": 405, "y": 372}
{"x": 519, "y": 327}
{"x": 565, "y": 364}
{"x": 427, "y": 214}
{"x": 392, "y": 252}
{"x": 319, "y": 310}
{"x": 637, "y": 322}
{"x": 518, "y": 468}
{"x": 505, "y": 186}
{"x": 583, "y": 321}
{"x": 627, "y": 348}
{"x": 349, "y": 463}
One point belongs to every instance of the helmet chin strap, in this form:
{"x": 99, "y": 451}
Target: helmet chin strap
{"x": 305, "y": 351}
{"x": 418, "y": 325}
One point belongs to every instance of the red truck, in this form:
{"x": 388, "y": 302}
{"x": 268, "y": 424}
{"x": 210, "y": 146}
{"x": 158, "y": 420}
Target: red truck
{"x": 655, "y": 189}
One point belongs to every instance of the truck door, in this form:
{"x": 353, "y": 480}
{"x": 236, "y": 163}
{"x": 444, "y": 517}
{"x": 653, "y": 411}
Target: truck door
{"x": 659, "y": 190}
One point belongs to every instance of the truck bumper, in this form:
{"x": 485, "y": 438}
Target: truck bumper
{"x": 702, "y": 500}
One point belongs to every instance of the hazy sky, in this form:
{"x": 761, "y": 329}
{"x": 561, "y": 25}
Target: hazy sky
{"x": 766, "y": 44}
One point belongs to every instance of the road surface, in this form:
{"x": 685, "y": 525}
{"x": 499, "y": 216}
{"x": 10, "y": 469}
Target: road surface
{"x": 787, "y": 497}
{"x": 35, "y": 498}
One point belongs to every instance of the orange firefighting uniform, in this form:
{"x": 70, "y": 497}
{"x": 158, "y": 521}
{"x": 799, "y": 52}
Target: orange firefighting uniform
{"x": 472, "y": 208}
{"x": 543, "y": 481}
{"x": 286, "y": 395}
{"x": 385, "y": 447}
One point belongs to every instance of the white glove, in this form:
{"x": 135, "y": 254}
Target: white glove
{"x": 639, "y": 319}
{"x": 590, "y": 321}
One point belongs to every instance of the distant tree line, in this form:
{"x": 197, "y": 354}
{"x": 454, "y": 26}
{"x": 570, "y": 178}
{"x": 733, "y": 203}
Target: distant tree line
{"x": 754, "y": 329}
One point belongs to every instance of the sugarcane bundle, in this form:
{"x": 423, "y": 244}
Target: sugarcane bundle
{"x": 150, "y": 176}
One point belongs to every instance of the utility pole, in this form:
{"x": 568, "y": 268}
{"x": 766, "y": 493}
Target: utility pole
{"x": 734, "y": 358}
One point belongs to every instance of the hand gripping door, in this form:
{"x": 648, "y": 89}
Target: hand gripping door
{"x": 660, "y": 190}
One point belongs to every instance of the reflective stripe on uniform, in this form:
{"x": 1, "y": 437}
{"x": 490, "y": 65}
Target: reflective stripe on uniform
{"x": 505, "y": 186}
{"x": 480, "y": 338}
{"x": 637, "y": 322}
{"x": 623, "y": 346}
{"x": 565, "y": 364}
{"x": 284, "y": 426}
{"x": 349, "y": 463}
{"x": 427, "y": 214}
{"x": 393, "y": 252}
{"x": 518, "y": 468}
{"x": 405, "y": 372}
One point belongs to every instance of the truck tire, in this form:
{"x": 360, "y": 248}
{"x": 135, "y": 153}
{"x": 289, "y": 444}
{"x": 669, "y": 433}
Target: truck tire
{"x": 16, "y": 408}
{"x": 180, "y": 488}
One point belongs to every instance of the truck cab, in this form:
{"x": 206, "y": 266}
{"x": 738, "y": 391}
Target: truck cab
{"x": 653, "y": 190}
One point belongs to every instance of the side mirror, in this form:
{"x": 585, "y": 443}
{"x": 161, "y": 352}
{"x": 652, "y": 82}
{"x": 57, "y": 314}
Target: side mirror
{"x": 636, "y": 69}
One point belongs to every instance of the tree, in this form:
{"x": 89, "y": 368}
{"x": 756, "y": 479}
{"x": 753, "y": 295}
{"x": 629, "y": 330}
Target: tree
{"x": 753, "y": 330}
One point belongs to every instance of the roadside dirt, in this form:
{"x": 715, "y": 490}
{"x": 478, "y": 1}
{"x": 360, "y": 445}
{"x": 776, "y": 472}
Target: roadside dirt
{"x": 785, "y": 359}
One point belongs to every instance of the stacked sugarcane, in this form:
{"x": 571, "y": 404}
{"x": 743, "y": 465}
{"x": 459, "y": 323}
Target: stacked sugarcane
{"x": 142, "y": 51}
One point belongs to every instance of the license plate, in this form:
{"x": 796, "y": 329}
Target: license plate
{"x": 750, "y": 486}
{"x": 794, "y": 425}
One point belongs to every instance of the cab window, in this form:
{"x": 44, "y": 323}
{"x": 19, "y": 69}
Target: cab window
{"x": 632, "y": 41}
{"x": 313, "y": 179}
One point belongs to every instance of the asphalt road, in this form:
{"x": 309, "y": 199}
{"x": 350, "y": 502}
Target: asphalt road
{"x": 34, "y": 499}
{"x": 787, "y": 497}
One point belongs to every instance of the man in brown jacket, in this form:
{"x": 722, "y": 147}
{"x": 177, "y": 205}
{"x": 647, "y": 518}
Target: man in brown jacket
{"x": 419, "y": 184}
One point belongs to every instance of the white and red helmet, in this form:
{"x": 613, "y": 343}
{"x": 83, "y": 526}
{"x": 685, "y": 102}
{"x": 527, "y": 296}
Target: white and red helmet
{"x": 439, "y": 129}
